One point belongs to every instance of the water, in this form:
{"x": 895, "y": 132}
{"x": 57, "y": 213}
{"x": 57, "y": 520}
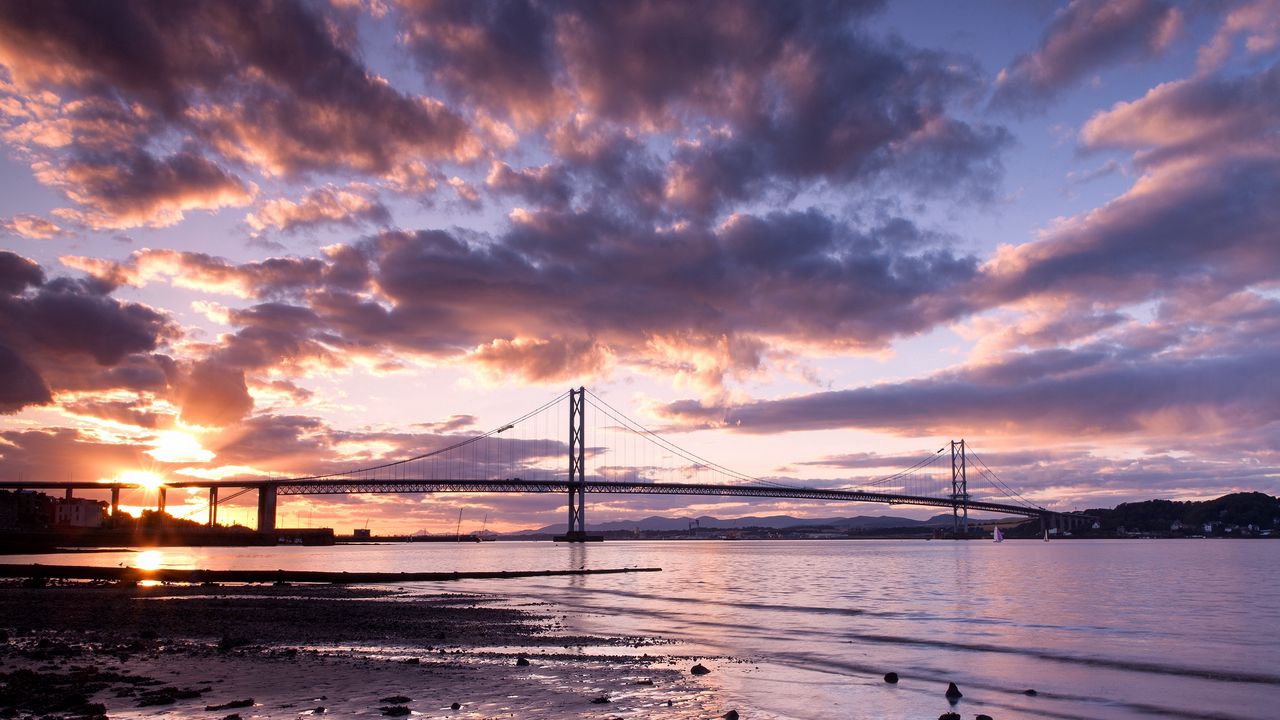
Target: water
{"x": 1100, "y": 629}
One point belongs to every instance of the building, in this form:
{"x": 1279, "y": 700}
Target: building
{"x": 79, "y": 512}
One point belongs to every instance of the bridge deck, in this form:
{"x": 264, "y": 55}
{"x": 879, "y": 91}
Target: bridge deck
{"x": 340, "y": 486}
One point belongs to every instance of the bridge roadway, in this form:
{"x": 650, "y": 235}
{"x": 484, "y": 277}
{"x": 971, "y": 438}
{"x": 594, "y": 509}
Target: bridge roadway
{"x": 269, "y": 489}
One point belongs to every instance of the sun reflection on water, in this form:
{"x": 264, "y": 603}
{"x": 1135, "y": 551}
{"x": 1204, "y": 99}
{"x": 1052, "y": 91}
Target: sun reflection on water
{"x": 149, "y": 560}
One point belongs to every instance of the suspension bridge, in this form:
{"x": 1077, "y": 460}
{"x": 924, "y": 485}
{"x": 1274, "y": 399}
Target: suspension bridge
{"x": 611, "y": 454}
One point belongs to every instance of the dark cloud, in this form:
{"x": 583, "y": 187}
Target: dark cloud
{"x": 18, "y": 273}
{"x": 1086, "y": 36}
{"x": 130, "y": 188}
{"x": 20, "y": 384}
{"x": 1060, "y": 395}
{"x": 276, "y": 86}
{"x": 546, "y": 186}
{"x": 67, "y": 334}
{"x": 760, "y": 96}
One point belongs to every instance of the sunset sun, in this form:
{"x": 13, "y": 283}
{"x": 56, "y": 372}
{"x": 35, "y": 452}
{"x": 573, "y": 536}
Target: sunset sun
{"x": 145, "y": 478}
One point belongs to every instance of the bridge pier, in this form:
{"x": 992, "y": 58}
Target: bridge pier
{"x": 577, "y": 531}
{"x": 161, "y": 496}
{"x": 267, "y": 508}
{"x": 115, "y": 501}
{"x": 213, "y": 506}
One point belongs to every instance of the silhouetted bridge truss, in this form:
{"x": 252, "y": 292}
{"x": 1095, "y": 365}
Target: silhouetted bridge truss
{"x": 613, "y": 455}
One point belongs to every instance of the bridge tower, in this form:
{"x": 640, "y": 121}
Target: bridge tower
{"x": 577, "y": 531}
{"x": 959, "y": 488}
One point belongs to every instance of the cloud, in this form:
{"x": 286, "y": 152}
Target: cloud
{"x": 353, "y": 206}
{"x": 133, "y": 189}
{"x": 1199, "y": 215}
{"x": 278, "y": 88}
{"x": 66, "y": 334}
{"x": 1258, "y": 21}
{"x": 1086, "y": 36}
{"x": 1071, "y": 395}
{"x": 758, "y": 97}
{"x": 215, "y": 395}
{"x": 32, "y": 227}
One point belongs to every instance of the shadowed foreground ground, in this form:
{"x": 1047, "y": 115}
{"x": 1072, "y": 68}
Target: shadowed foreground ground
{"x": 84, "y": 651}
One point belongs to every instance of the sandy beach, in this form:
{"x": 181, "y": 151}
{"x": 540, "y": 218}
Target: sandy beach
{"x": 82, "y": 650}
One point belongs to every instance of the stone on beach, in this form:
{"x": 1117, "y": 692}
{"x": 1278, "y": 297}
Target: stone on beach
{"x": 983, "y": 717}
{"x": 891, "y": 677}
{"x": 953, "y": 692}
{"x": 949, "y": 716}
{"x": 699, "y": 669}
{"x": 234, "y": 704}
{"x": 521, "y": 662}
{"x": 396, "y": 700}
{"x": 731, "y": 715}
{"x": 1030, "y": 693}
{"x": 602, "y": 700}
{"x": 455, "y": 706}
{"x": 394, "y": 710}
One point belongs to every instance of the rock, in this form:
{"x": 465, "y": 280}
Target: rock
{"x": 1030, "y": 693}
{"x": 455, "y": 706}
{"x": 983, "y": 717}
{"x": 949, "y": 716}
{"x": 396, "y": 700}
{"x": 234, "y": 704}
{"x": 668, "y": 703}
{"x": 232, "y": 716}
{"x": 412, "y": 661}
{"x": 953, "y": 692}
{"x": 645, "y": 681}
{"x": 891, "y": 677}
{"x": 394, "y": 710}
{"x": 699, "y": 669}
{"x": 602, "y": 700}
{"x": 731, "y": 715}
{"x": 522, "y": 662}
{"x": 318, "y": 711}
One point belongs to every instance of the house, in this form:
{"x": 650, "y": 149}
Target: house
{"x": 79, "y": 512}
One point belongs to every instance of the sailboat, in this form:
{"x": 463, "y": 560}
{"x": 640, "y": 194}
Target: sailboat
{"x": 998, "y": 536}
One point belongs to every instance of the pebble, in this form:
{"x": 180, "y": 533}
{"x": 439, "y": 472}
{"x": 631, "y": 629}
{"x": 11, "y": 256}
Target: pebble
{"x": 731, "y": 715}
{"x": 602, "y": 700}
{"x": 1030, "y": 693}
{"x": 983, "y": 717}
{"x": 949, "y": 716}
{"x": 953, "y": 692}
{"x": 521, "y": 662}
{"x": 699, "y": 669}
{"x": 891, "y": 677}
{"x": 455, "y": 706}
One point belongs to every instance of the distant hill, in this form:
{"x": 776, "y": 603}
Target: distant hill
{"x": 1238, "y": 513}
{"x": 666, "y": 524}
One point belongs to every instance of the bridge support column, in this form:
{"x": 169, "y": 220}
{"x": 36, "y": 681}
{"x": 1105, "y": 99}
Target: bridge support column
{"x": 161, "y": 496}
{"x": 959, "y": 489}
{"x": 68, "y": 493}
{"x": 115, "y": 501}
{"x": 267, "y": 508}
{"x": 577, "y": 531}
{"x": 213, "y": 506}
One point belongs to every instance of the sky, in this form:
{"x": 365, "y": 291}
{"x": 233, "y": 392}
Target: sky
{"x": 810, "y": 241}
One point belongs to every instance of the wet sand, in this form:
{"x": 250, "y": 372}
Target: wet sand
{"x": 84, "y": 650}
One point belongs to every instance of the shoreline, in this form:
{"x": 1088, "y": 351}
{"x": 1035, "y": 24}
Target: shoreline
{"x": 177, "y": 650}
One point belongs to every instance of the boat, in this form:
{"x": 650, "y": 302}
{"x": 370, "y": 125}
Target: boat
{"x": 998, "y": 536}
